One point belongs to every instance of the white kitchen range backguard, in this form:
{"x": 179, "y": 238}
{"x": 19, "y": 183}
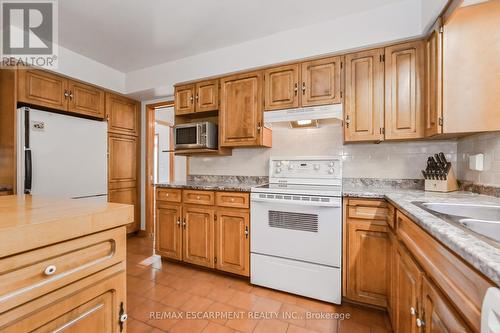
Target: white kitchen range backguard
{"x": 296, "y": 228}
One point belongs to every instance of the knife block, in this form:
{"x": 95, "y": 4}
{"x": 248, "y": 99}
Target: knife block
{"x": 448, "y": 185}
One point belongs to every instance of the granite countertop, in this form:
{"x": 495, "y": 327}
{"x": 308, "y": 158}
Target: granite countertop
{"x": 209, "y": 186}
{"x": 479, "y": 251}
{"x": 28, "y": 222}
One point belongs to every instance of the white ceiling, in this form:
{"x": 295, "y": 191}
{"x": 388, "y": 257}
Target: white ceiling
{"x": 132, "y": 34}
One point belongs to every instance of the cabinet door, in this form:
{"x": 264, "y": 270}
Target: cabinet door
{"x": 42, "y": 89}
{"x": 232, "y": 241}
{"x": 404, "y": 91}
{"x": 438, "y": 315}
{"x": 122, "y": 161}
{"x": 364, "y": 96}
{"x": 207, "y": 96}
{"x": 94, "y": 308}
{"x": 367, "y": 261}
{"x": 184, "y": 99}
{"x": 198, "y": 242}
{"x": 86, "y": 99}
{"x": 127, "y": 196}
{"x": 408, "y": 289}
{"x": 281, "y": 87}
{"x": 169, "y": 230}
{"x": 391, "y": 277}
{"x": 434, "y": 82}
{"x": 241, "y": 110}
{"x": 123, "y": 115}
{"x": 321, "y": 81}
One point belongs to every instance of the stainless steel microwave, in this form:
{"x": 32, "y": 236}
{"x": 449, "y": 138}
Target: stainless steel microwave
{"x": 195, "y": 135}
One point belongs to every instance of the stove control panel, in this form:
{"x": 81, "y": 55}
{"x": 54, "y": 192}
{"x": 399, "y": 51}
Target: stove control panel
{"x": 305, "y": 168}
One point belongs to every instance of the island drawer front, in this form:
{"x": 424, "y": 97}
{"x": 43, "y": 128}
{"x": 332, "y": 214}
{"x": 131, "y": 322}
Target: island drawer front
{"x": 31, "y": 274}
{"x": 169, "y": 194}
{"x": 367, "y": 209}
{"x": 232, "y": 199}
{"x": 198, "y": 197}
{"x": 464, "y": 286}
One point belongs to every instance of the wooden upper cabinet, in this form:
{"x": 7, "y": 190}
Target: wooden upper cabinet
{"x": 364, "y": 96}
{"x": 198, "y": 242}
{"x": 184, "y": 99}
{"x": 438, "y": 315}
{"x": 404, "y": 91}
{"x": 232, "y": 241}
{"x": 42, "y": 88}
{"x": 281, "y": 87}
{"x": 240, "y": 117}
{"x": 321, "y": 81}
{"x": 207, "y": 96}
{"x": 169, "y": 230}
{"x": 122, "y": 161}
{"x": 434, "y": 82}
{"x": 408, "y": 293}
{"x": 86, "y": 99}
{"x": 123, "y": 115}
{"x": 367, "y": 248}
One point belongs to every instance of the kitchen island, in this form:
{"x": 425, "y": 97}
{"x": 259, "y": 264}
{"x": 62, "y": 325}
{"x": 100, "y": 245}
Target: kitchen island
{"x": 62, "y": 264}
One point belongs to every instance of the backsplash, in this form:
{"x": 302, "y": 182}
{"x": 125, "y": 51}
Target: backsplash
{"x": 391, "y": 160}
{"x": 489, "y": 145}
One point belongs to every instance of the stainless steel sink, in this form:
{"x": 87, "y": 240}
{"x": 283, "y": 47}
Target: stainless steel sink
{"x": 479, "y": 212}
{"x": 481, "y": 219}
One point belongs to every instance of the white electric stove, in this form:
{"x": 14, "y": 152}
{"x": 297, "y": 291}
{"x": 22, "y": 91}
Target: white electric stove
{"x": 296, "y": 227}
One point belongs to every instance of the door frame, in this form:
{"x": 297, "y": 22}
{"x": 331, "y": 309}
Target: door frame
{"x": 149, "y": 186}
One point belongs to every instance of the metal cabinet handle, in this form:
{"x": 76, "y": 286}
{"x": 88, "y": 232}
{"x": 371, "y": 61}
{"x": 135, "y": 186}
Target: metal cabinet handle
{"x": 71, "y": 95}
{"x": 197, "y": 97}
{"x": 413, "y": 312}
{"x": 179, "y": 221}
{"x": 123, "y": 318}
{"x": 246, "y": 232}
{"x": 184, "y": 223}
{"x": 420, "y": 322}
{"x": 66, "y": 94}
{"x": 232, "y": 199}
{"x": 303, "y": 88}
{"x": 197, "y": 197}
{"x": 259, "y": 127}
{"x": 295, "y": 88}
{"x": 347, "y": 121}
{"x": 50, "y": 270}
{"x": 191, "y": 99}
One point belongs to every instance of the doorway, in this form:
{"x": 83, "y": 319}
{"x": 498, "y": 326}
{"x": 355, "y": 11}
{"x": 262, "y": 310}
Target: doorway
{"x": 162, "y": 166}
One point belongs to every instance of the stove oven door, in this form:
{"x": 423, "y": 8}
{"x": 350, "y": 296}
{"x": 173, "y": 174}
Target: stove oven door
{"x": 307, "y": 229}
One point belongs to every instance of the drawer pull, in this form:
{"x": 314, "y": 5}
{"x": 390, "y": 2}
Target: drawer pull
{"x": 232, "y": 199}
{"x": 413, "y": 312}
{"x": 197, "y": 197}
{"x": 50, "y": 270}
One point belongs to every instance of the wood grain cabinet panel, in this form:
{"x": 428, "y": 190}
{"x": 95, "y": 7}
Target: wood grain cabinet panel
{"x": 281, "y": 87}
{"x": 86, "y": 99}
{"x": 123, "y": 115}
{"x": 434, "y": 82}
{"x": 438, "y": 315}
{"x": 367, "y": 262}
{"x": 198, "y": 233}
{"x": 241, "y": 113}
{"x": 232, "y": 239}
{"x": 184, "y": 99}
{"x": 169, "y": 230}
{"x": 364, "y": 96}
{"x": 321, "y": 81}
{"x": 42, "y": 88}
{"x": 404, "y": 91}
{"x": 122, "y": 161}
{"x": 207, "y": 96}
{"x": 127, "y": 196}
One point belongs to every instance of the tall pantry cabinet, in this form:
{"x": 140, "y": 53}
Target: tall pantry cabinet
{"x": 123, "y": 116}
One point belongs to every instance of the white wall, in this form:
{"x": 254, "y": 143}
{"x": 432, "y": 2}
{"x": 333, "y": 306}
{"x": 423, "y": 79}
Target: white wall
{"x": 393, "y": 160}
{"x": 487, "y": 144}
{"x": 395, "y": 21}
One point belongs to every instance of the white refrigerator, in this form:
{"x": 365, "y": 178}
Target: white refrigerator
{"x": 61, "y": 156}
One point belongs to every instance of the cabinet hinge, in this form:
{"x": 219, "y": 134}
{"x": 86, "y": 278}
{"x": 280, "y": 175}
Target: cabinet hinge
{"x": 440, "y": 121}
{"x": 341, "y": 94}
{"x": 382, "y": 130}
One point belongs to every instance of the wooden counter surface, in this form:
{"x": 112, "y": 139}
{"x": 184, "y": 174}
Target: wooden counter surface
{"x": 28, "y": 222}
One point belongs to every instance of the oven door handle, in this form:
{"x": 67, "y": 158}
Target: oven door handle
{"x": 332, "y": 204}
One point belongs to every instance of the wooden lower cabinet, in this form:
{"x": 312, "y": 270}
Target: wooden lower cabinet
{"x": 212, "y": 236}
{"x": 232, "y": 241}
{"x": 169, "y": 230}
{"x": 198, "y": 236}
{"x": 127, "y": 196}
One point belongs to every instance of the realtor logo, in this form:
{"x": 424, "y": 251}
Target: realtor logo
{"x": 29, "y": 33}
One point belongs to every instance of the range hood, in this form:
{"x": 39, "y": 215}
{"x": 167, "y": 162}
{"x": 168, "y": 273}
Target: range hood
{"x": 333, "y": 111}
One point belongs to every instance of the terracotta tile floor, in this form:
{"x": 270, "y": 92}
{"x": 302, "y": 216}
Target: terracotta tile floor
{"x": 176, "y": 293}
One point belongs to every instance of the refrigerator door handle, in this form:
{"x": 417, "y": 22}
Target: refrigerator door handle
{"x": 28, "y": 171}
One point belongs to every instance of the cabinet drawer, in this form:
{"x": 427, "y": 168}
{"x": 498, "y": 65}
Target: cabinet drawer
{"x": 169, "y": 194}
{"x": 367, "y": 212}
{"x": 198, "y": 197}
{"x": 29, "y": 275}
{"x": 232, "y": 199}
